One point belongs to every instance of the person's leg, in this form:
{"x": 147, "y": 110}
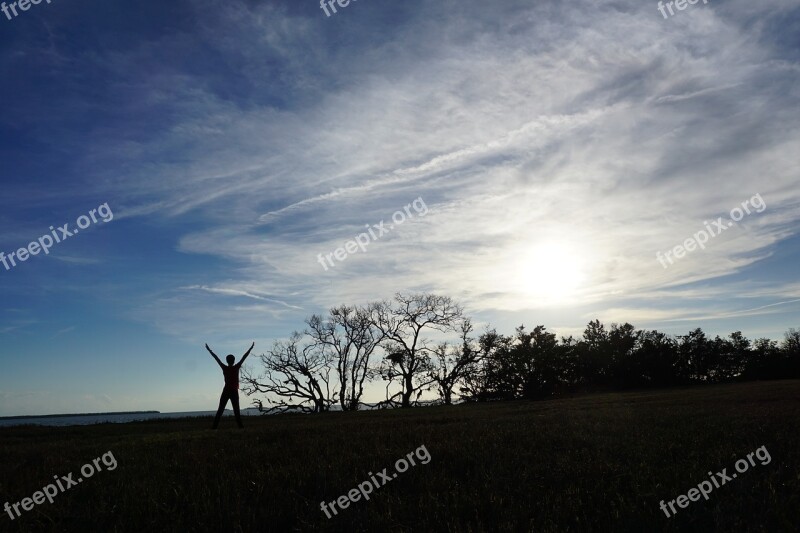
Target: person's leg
{"x": 223, "y": 401}
{"x": 235, "y": 404}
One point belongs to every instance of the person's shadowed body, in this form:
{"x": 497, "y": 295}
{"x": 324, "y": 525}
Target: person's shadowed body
{"x": 231, "y": 389}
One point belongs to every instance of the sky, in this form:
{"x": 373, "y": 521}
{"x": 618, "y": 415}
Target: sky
{"x": 556, "y": 151}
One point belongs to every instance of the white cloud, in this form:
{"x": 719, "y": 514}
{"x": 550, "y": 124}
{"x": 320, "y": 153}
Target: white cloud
{"x": 597, "y": 125}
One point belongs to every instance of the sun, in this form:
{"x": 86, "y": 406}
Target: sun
{"x": 550, "y": 272}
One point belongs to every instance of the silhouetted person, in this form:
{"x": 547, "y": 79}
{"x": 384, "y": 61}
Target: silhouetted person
{"x": 231, "y": 389}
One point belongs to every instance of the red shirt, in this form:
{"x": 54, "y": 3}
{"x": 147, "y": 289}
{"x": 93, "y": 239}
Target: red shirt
{"x": 231, "y": 374}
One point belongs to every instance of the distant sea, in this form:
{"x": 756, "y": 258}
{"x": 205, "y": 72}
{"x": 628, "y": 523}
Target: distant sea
{"x": 117, "y": 418}
{"x": 121, "y": 418}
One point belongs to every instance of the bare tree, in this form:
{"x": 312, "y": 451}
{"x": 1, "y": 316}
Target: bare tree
{"x": 477, "y": 383}
{"x": 297, "y": 373}
{"x": 348, "y": 338}
{"x": 452, "y": 364}
{"x": 402, "y": 323}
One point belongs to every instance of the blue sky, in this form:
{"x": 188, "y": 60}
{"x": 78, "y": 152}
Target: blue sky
{"x": 558, "y": 146}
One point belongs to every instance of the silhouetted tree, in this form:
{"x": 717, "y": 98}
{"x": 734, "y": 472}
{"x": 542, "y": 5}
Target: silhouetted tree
{"x": 525, "y": 366}
{"x": 764, "y": 361}
{"x": 451, "y": 364}
{"x": 539, "y": 357}
{"x": 296, "y": 376}
{"x": 402, "y": 324}
{"x": 791, "y": 354}
{"x": 330, "y": 362}
{"x": 695, "y": 357}
{"x": 733, "y": 356}
{"x": 658, "y": 359}
{"x": 347, "y": 337}
{"x": 626, "y": 365}
{"x": 570, "y": 364}
{"x": 594, "y": 355}
{"x": 481, "y": 383}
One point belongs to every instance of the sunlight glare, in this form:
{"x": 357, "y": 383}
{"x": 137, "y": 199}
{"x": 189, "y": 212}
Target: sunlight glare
{"x": 549, "y": 272}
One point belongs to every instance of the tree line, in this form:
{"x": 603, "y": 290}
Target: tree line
{"x": 329, "y": 362}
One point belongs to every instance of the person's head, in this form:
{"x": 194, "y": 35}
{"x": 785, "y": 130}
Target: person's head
{"x": 230, "y": 359}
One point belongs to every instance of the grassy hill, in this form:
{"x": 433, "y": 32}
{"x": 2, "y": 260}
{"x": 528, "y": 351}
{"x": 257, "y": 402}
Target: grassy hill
{"x": 599, "y": 462}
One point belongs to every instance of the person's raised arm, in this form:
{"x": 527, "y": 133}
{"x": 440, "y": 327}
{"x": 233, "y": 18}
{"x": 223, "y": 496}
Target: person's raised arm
{"x": 246, "y": 354}
{"x": 215, "y": 356}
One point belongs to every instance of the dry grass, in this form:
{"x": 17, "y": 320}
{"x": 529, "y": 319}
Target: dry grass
{"x": 594, "y": 463}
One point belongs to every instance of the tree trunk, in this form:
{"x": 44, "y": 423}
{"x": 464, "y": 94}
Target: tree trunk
{"x": 407, "y": 390}
{"x": 448, "y": 396}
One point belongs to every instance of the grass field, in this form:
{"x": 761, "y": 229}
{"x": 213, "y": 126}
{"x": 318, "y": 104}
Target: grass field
{"x": 592, "y": 463}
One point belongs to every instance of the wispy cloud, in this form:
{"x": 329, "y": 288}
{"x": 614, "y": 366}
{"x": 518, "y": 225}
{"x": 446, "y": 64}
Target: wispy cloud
{"x": 594, "y": 141}
{"x": 236, "y": 292}
{"x": 77, "y": 260}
